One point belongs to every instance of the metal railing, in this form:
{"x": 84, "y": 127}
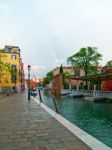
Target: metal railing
{"x": 97, "y": 93}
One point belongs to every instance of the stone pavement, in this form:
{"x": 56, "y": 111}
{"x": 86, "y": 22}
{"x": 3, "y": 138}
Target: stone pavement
{"x": 25, "y": 125}
{"x": 2, "y": 96}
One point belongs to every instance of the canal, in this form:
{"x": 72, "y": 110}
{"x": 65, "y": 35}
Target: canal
{"x": 94, "y": 118}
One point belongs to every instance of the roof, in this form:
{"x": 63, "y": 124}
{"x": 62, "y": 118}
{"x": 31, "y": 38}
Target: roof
{"x": 64, "y": 67}
{"x": 102, "y": 76}
{"x": 10, "y": 46}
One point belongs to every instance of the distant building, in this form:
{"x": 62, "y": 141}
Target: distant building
{"x": 40, "y": 81}
{"x": 35, "y": 81}
{"x": 56, "y": 71}
{"x": 33, "y": 84}
{"x": 70, "y": 82}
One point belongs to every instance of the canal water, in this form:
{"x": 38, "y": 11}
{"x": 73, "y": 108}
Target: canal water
{"x": 94, "y": 118}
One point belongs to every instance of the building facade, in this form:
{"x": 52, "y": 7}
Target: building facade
{"x": 10, "y": 78}
{"x": 106, "y": 85}
{"x": 58, "y": 84}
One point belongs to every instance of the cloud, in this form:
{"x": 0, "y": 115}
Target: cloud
{"x": 50, "y": 31}
{"x": 4, "y": 6}
{"x": 5, "y": 9}
{"x": 35, "y": 68}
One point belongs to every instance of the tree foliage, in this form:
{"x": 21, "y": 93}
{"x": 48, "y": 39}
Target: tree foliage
{"x": 86, "y": 59}
{"x": 109, "y": 64}
{"x": 66, "y": 74}
{"x": 48, "y": 78}
{"x": 61, "y": 70}
{"x": 4, "y": 66}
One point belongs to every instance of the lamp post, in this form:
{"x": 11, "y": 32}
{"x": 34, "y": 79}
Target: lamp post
{"x": 29, "y": 68}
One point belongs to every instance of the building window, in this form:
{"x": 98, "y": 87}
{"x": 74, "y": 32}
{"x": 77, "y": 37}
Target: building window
{"x": 13, "y": 57}
{"x": 13, "y": 78}
{"x": 13, "y": 67}
{"x": 9, "y": 50}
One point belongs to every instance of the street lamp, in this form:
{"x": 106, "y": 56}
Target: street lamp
{"x": 29, "y": 68}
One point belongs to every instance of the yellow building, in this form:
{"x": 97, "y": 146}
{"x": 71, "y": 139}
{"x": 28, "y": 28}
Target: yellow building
{"x": 10, "y": 80}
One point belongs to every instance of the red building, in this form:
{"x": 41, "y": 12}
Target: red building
{"x": 33, "y": 84}
{"x": 107, "y": 84}
{"x": 35, "y": 81}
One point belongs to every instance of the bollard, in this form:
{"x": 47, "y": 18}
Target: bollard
{"x": 40, "y": 95}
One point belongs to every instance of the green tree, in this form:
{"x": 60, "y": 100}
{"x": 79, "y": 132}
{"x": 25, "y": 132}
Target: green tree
{"x": 48, "y": 78}
{"x": 50, "y": 75}
{"x": 62, "y": 73}
{"x": 66, "y": 74}
{"x": 46, "y": 81}
{"x": 61, "y": 70}
{"x": 109, "y": 64}
{"x": 86, "y": 59}
{"x": 4, "y": 66}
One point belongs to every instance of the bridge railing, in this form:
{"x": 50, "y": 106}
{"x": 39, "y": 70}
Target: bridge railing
{"x": 97, "y": 93}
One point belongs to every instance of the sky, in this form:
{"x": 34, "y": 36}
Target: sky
{"x": 49, "y": 31}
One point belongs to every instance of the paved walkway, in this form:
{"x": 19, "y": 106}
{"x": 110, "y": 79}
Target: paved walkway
{"x": 2, "y": 96}
{"x": 25, "y": 125}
